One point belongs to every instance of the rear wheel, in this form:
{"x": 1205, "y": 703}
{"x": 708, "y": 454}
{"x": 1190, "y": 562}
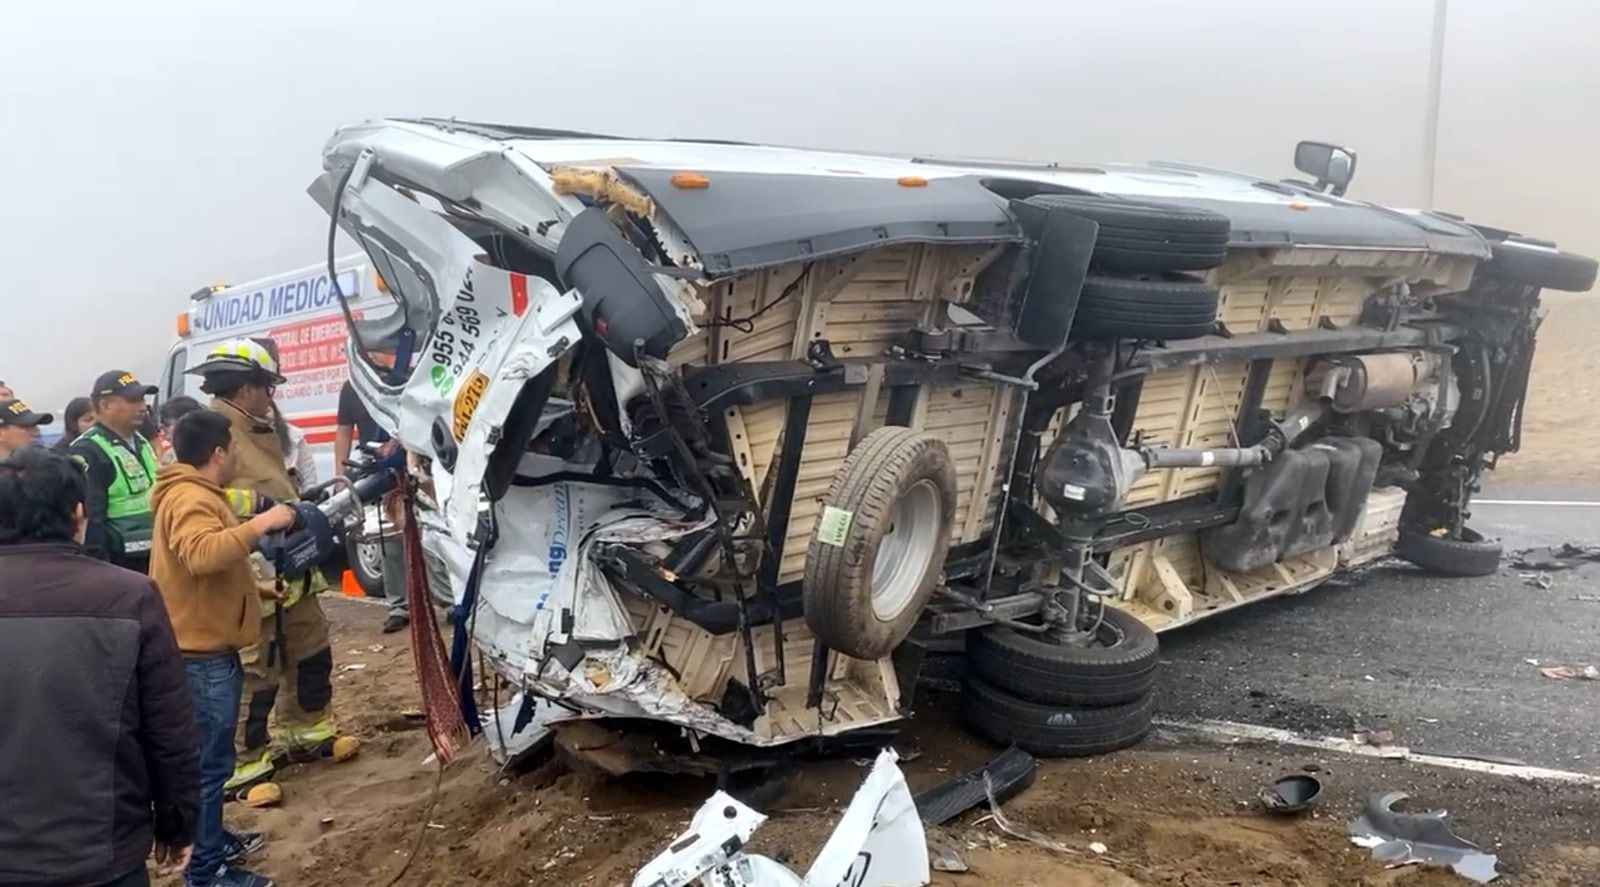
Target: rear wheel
{"x": 365, "y": 557}
{"x": 1051, "y": 730}
{"x": 1470, "y": 555}
{"x": 1117, "y": 667}
{"x": 1541, "y": 266}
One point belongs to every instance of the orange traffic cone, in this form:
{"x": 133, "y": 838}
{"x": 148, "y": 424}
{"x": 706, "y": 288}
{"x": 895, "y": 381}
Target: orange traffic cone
{"x": 349, "y": 587}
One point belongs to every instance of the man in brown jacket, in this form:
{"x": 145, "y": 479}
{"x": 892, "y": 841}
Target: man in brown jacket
{"x": 200, "y": 559}
{"x": 97, "y": 761}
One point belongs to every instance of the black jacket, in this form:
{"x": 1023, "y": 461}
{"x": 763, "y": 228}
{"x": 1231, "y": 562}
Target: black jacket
{"x": 97, "y": 737}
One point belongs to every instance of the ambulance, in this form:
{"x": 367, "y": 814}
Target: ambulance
{"x": 300, "y": 312}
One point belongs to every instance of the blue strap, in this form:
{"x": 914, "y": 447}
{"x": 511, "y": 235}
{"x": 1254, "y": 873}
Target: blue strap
{"x": 460, "y": 660}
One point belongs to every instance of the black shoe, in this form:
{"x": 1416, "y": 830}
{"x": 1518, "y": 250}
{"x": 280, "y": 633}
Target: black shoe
{"x": 242, "y": 844}
{"x": 395, "y": 623}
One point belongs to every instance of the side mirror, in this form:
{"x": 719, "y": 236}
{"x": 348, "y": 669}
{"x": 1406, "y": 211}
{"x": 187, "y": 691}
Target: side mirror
{"x": 1332, "y": 166}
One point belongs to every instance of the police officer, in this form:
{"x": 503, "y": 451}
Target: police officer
{"x": 122, "y": 467}
{"x": 19, "y": 426}
{"x": 290, "y": 669}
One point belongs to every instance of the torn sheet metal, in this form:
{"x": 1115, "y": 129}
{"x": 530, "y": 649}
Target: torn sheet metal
{"x": 1397, "y": 839}
{"x": 878, "y": 842}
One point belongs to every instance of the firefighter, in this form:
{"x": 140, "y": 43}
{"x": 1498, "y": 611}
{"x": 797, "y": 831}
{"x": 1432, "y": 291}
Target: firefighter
{"x": 291, "y": 668}
{"x": 122, "y": 467}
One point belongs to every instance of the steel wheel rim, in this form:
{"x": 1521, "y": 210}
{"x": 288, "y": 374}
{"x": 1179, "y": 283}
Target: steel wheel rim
{"x": 906, "y": 549}
{"x": 370, "y": 554}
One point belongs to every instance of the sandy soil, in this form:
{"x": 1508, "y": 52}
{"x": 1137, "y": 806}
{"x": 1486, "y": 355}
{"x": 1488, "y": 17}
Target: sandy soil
{"x": 1170, "y": 813}
{"x": 1563, "y": 416}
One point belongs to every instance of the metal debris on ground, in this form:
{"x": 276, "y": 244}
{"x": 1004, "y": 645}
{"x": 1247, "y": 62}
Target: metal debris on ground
{"x": 1398, "y": 839}
{"x": 1568, "y": 672}
{"x": 1540, "y": 579}
{"x": 1294, "y": 793}
{"x": 1555, "y": 557}
{"x": 947, "y": 860}
{"x": 1019, "y": 830}
{"x": 878, "y": 842}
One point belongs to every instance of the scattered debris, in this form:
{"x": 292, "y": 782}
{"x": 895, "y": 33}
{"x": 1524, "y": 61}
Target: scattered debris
{"x": 1428, "y": 720}
{"x": 947, "y": 860}
{"x": 1541, "y": 580}
{"x": 1474, "y": 756}
{"x": 1398, "y": 839}
{"x": 1017, "y": 829}
{"x": 1533, "y": 662}
{"x": 1555, "y": 557}
{"x": 1587, "y": 598}
{"x": 375, "y": 648}
{"x": 1568, "y": 672}
{"x": 1370, "y": 678}
{"x": 1291, "y": 794}
{"x": 878, "y": 842}
{"x": 352, "y": 666}
{"x": 1098, "y": 848}
{"x": 1377, "y": 738}
{"x": 1012, "y": 771}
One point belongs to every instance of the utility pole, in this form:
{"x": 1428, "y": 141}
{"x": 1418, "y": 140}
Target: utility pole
{"x": 1430, "y": 135}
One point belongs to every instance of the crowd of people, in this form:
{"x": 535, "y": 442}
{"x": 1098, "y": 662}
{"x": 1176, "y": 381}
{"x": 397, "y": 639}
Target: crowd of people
{"x": 157, "y": 665}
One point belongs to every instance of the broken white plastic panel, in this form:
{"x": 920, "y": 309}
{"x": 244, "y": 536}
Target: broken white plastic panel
{"x": 878, "y": 842}
{"x": 507, "y": 744}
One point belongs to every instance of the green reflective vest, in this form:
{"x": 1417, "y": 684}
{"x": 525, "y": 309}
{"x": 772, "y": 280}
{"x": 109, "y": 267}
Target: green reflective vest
{"x": 128, "y": 517}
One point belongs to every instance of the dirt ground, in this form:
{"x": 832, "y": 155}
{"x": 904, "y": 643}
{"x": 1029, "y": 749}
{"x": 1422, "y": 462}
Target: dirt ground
{"x": 1173, "y": 812}
{"x": 1563, "y": 413}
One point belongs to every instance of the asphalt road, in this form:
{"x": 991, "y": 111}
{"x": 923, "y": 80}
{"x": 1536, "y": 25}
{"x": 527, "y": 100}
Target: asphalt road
{"x": 1440, "y": 662}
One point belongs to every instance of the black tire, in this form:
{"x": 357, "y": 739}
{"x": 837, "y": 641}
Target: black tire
{"x": 1541, "y": 266}
{"x": 365, "y": 560}
{"x": 1471, "y": 555}
{"x": 887, "y": 466}
{"x": 1120, "y": 671}
{"x": 1145, "y": 306}
{"x": 1137, "y": 236}
{"x": 1052, "y": 731}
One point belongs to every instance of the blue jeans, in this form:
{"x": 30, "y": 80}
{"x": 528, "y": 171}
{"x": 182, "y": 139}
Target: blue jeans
{"x": 216, "y": 684}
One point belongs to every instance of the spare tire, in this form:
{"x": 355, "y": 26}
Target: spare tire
{"x": 878, "y": 549}
{"x": 1471, "y": 555}
{"x": 1050, "y": 730}
{"x": 1145, "y": 306}
{"x": 1541, "y": 266}
{"x": 1136, "y": 236}
{"x": 1120, "y": 668}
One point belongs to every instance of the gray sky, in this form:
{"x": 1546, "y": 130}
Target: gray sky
{"x": 153, "y": 148}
